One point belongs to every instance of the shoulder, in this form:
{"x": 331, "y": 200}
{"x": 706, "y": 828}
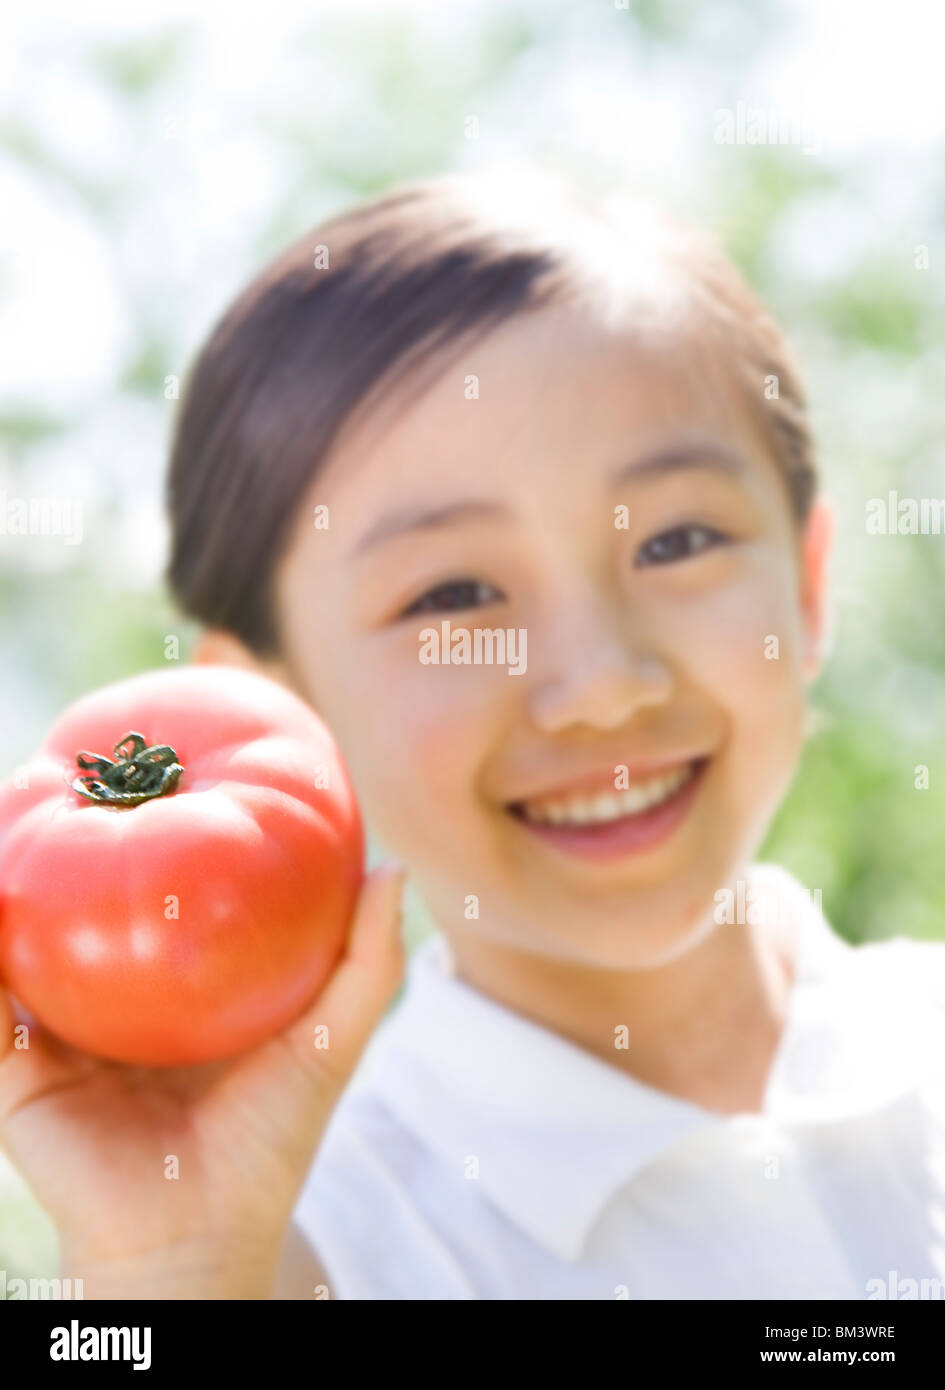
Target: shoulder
{"x": 364, "y": 1206}
{"x": 896, "y": 962}
{"x": 371, "y": 1200}
{"x": 910, "y": 963}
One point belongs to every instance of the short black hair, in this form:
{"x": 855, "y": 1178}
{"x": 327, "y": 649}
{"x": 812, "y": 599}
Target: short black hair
{"x": 403, "y": 282}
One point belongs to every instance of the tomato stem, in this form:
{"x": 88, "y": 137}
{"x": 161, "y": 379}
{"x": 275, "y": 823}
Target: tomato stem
{"x": 139, "y": 773}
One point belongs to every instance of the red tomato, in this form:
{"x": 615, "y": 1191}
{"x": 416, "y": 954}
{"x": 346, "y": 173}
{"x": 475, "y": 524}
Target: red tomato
{"x": 196, "y": 923}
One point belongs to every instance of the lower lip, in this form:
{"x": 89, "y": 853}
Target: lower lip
{"x": 629, "y": 835}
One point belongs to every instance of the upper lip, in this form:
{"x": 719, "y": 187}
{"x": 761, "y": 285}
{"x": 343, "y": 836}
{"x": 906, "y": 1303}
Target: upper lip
{"x": 602, "y": 780}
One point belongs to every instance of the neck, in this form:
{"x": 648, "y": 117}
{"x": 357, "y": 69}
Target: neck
{"x": 704, "y": 1027}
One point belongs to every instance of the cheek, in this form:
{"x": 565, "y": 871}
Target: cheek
{"x": 741, "y": 646}
{"x": 414, "y": 738}
{"x": 743, "y": 640}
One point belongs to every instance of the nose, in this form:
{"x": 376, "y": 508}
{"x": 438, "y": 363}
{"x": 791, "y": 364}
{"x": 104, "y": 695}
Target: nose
{"x": 596, "y": 667}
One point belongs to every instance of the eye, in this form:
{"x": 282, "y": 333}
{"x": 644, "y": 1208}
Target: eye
{"x": 678, "y": 544}
{"x": 453, "y": 596}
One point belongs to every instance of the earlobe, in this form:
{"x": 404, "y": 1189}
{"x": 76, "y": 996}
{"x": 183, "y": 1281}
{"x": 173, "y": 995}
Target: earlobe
{"x": 214, "y": 647}
{"x": 816, "y": 549}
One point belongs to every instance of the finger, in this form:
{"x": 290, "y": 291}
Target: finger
{"x": 26, "y": 1033}
{"x": 32, "y": 1062}
{"x": 6, "y": 1024}
{"x": 353, "y": 1002}
{"x": 19, "y": 1029}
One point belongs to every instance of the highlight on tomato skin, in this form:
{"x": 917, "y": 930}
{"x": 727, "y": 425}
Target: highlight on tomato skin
{"x": 176, "y": 924}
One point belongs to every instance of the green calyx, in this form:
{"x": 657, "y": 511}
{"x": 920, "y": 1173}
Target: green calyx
{"x": 139, "y": 773}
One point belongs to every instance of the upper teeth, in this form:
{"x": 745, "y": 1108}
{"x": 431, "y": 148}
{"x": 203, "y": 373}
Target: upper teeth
{"x": 584, "y": 810}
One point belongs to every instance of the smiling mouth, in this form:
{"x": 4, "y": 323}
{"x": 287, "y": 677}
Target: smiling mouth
{"x": 583, "y": 810}
{"x": 607, "y": 826}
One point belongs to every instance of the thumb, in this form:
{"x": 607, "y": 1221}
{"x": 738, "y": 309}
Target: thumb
{"x": 362, "y": 985}
{"x": 6, "y": 1022}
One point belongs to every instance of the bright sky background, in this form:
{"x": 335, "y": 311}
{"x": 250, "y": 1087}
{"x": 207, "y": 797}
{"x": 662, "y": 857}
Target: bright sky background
{"x": 866, "y": 92}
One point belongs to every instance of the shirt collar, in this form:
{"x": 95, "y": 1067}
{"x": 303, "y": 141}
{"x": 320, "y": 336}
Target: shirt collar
{"x": 556, "y": 1130}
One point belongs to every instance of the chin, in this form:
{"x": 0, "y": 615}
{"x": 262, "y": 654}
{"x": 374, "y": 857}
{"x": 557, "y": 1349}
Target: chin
{"x": 651, "y": 930}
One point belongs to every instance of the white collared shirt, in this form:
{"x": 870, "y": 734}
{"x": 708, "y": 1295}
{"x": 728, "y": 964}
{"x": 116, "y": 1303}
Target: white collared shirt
{"x": 477, "y": 1154}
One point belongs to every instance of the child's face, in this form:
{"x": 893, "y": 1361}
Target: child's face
{"x": 649, "y": 642}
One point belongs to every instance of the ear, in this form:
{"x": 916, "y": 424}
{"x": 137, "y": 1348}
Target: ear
{"x": 815, "y": 551}
{"x": 216, "y": 647}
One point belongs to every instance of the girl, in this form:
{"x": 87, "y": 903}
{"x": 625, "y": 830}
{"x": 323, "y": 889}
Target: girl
{"x": 518, "y": 492}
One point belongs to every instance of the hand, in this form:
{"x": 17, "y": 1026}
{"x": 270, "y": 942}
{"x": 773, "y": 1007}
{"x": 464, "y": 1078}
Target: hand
{"x": 96, "y": 1140}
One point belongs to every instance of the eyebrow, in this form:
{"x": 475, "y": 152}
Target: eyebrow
{"x": 683, "y": 454}
{"x": 670, "y": 458}
{"x": 409, "y": 519}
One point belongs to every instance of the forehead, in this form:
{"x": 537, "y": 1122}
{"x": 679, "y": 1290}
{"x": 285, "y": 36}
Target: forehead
{"x": 542, "y": 399}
